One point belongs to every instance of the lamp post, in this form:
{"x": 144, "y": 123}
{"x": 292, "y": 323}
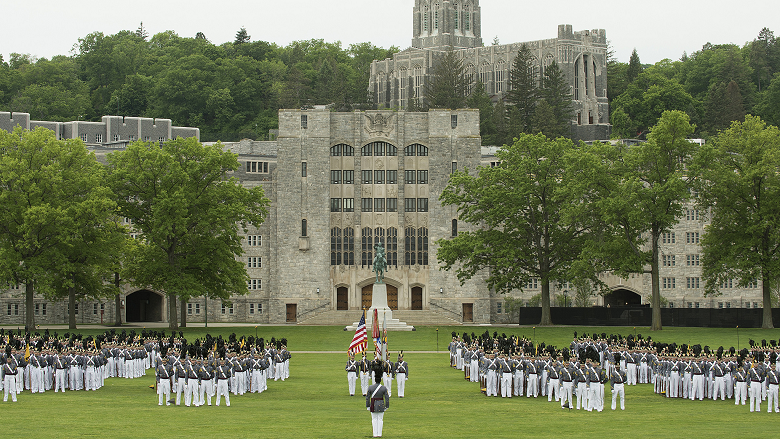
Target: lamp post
{"x": 565, "y": 298}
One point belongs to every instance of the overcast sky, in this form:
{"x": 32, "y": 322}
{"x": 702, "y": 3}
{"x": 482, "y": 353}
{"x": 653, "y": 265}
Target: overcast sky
{"x": 657, "y": 29}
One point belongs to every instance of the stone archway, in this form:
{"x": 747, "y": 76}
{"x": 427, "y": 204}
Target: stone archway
{"x": 392, "y": 296}
{"x": 144, "y": 306}
{"x": 622, "y": 297}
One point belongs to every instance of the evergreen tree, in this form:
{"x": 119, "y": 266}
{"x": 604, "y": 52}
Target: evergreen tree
{"x": 141, "y": 32}
{"x": 242, "y": 36}
{"x": 200, "y": 36}
{"x": 555, "y": 91}
{"x": 448, "y": 87}
{"x": 724, "y": 105}
{"x": 523, "y": 92}
{"x": 501, "y": 136}
{"x": 544, "y": 120}
{"x": 480, "y": 100}
{"x": 634, "y": 67}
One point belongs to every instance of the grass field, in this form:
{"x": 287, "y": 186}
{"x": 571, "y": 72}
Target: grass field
{"x": 314, "y": 402}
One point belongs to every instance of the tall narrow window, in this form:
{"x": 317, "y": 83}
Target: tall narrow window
{"x": 422, "y": 246}
{"x": 367, "y": 205}
{"x": 454, "y": 227}
{"x": 436, "y": 17}
{"x": 422, "y": 177}
{"x": 379, "y": 177}
{"x": 367, "y": 247}
{"x": 379, "y": 237}
{"x": 467, "y": 20}
{"x": 304, "y": 121}
{"x": 303, "y": 228}
{"x": 410, "y": 246}
{"x": 335, "y": 246}
{"x": 349, "y": 204}
{"x": 349, "y": 246}
{"x": 303, "y": 169}
{"x": 410, "y": 176}
{"x": 349, "y": 177}
{"x": 454, "y": 167}
{"x": 456, "y": 17}
{"x": 425, "y": 20}
{"x": 392, "y": 247}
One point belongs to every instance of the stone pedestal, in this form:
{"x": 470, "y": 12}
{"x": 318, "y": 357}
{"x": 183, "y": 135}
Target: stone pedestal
{"x": 384, "y": 313}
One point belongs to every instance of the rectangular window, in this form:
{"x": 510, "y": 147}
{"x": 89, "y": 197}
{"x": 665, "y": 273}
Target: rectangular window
{"x": 254, "y": 262}
{"x": 367, "y": 205}
{"x": 668, "y": 260}
{"x": 379, "y": 204}
{"x": 392, "y": 177}
{"x": 349, "y": 204}
{"x": 9, "y": 309}
{"x": 668, "y": 238}
{"x": 692, "y": 215}
{"x": 251, "y": 308}
{"x": 230, "y": 310}
{"x": 498, "y": 307}
{"x": 533, "y": 283}
{"x": 692, "y": 282}
{"x": 668, "y": 283}
{"x": 692, "y": 260}
{"x": 422, "y": 177}
{"x": 37, "y": 308}
{"x": 43, "y": 309}
{"x": 454, "y": 167}
{"x": 98, "y": 138}
{"x": 94, "y": 309}
{"x": 422, "y": 204}
{"x": 254, "y": 167}
{"x": 75, "y": 308}
{"x": 366, "y": 176}
{"x": 189, "y": 309}
{"x": 410, "y": 177}
{"x": 133, "y": 138}
{"x": 728, "y": 304}
{"x": 116, "y": 137}
{"x": 254, "y": 240}
{"x": 454, "y": 121}
{"x": 335, "y": 177}
{"x": 335, "y": 204}
{"x": 259, "y": 308}
{"x": 349, "y": 177}
{"x": 692, "y": 237}
{"x": 410, "y": 205}
{"x": 224, "y": 309}
{"x": 304, "y": 121}
{"x": 197, "y": 308}
{"x": 303, "y": 169}
{"x": 379, "y": 177}
{"x": 255, "y": 284}
{"x": 392, "y": 204}
{"x": 753, "y": 284}
{"x": 161, "y": 139}
{"x": 728, "y": 283}
{"x": 690, "y": 304}
{"x": 83, "y": 139}
{"x": 720, "y": 305}
{"x": 755, "y": 305}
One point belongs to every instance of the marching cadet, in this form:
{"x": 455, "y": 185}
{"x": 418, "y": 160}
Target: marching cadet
{"x": 517, "y": 366}
{"x": 387, "y": 376}
{"x": 9, "y": 379}
{"x": 582, "y": 379}
{"x": 740, "y": 386}
{"x": 533, "y": 379}
{"x": 618, "y": 379}
{"x": 772, "y": 380}
{"x": 192, "y": 389}
{"x": 206, "y": 375}
{"x": 163, "y": 375}
{"x": 553, "y": 384}
{"x": 567, "y": 382}
{"x": 365, "y": 374}
{"x": 180, "y": 375}
{"x": 352, "y": 370}
{"x": 594, "y": 380}
{"x": 492, "y": 368}
{"x": 401, "y": 374}
{"x": 506, "y": 376}
{"x": 377, "y": 402}
{"x": 223, "y": 375}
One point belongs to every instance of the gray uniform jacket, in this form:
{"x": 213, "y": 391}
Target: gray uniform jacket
{"x": 381, "y": 393}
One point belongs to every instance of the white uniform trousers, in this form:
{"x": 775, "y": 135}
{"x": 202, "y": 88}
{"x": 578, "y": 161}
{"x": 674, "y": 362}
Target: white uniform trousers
{"x": 618, "y": 390}
{"x": 164, "y": 392}
{"x": 192, "y": 393}
{"x": 206, "y": 391}
{"x": 180, "y": 389}
{"x": 377, "y": 420}
{"x": 89, "y": 381}
{"x": 364, "y": 382}
{"x": 566, "y": 394}
{"x": 740, "y": 393}
{"x": 279, "y": 371}
{"x": 719, "y": 386}
{"x": 351, "y": 380}
{"x": 459, "y": 358}
{"x": 582, "y": 396}
{"x": 518, "y": 390}
{"x": 9, "y": 386}
{"x": 755, "y": 396}
{"x": 492, "y": 383}
{"x": 697, "y": 388}
{"x": 506, "y": 384}
{"x": 387, "y": 381}
{"x": 771, "y": 399}
{"x": 474, "y": 373}
{"x": 674, "y": 385}
{"x": 400, "y": 379}
{"x": 60, "y": 378}
{"x": 222, "y": 390}
{"x": 533, "y": 385}
{"x": 554, "y": 386}
{"x": 631, "y": 374}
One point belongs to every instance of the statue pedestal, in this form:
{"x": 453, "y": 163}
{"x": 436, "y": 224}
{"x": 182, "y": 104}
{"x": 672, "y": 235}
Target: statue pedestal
{"x": 384, "y": 313}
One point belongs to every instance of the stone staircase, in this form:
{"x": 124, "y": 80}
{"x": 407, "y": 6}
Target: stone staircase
{"x": 345, "y": 318}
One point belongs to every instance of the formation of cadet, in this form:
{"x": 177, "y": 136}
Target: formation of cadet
{"x": 510, "y": 366}
{"x": 389, "y": 371}
{"x": 197, "y": 371}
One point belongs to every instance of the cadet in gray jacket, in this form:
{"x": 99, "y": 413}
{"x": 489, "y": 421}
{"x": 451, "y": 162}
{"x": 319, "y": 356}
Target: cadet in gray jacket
{"x": 377, "y": 401}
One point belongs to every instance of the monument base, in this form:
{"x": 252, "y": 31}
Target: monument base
{"x": 384, "y": 313}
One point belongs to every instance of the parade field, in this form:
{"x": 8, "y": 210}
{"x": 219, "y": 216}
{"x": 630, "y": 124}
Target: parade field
{"x": 314, "y": 401}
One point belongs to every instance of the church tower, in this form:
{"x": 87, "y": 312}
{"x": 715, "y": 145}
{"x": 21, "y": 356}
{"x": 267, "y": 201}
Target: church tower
{"x": 439, "y": 24}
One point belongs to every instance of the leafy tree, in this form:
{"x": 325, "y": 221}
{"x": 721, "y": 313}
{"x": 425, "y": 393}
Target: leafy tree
{"x": 555, "y": 91}
{"x": 724, "y": 105}
{"x": 617, "y": 75}
{"x": 634, "y": 67}
{"x": 769, "y": 106}
{"x": 523, "y": 92}
{"x": 189, "y": 214}
{"x": 740, "y": 186}
{"x": 644, "y": 189}
{"x": 448, "y": 86}
{"x": 200, "y": 36}
{"x": 535, "y": 221}
{"x": 512, "y": 306}
{"x": 53, "y": 200}
{"x": 242, "y": 36}
{"x": 544, "y": 120}
{"x": 500, "y": 121}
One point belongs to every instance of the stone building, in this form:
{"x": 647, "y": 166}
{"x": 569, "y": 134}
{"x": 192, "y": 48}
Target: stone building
{"x": 340, "y": 183}
{"x": 441, "y": 24}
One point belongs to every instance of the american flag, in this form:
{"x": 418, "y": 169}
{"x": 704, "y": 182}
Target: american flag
{"x": 358, "y": 344}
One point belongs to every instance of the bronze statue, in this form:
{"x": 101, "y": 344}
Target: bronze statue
{"x": 380, "y": 263}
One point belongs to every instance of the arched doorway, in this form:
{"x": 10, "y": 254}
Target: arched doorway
{"x": 342, "y": 298}
{"x": 144, "y": 306}
{"x": 622, "y": 297}
{"x": 417, "y": 298}
{"x": 392, "y": 296}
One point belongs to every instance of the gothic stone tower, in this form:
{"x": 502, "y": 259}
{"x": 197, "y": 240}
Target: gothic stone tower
{"x": 439, "y": 24}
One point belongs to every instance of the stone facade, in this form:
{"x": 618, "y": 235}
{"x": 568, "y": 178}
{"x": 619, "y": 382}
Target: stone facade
{"x": 438, "y": 25}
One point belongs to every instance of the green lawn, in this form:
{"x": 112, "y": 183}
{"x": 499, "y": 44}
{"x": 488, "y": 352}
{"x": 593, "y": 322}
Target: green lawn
{"x": 314, "y": 402}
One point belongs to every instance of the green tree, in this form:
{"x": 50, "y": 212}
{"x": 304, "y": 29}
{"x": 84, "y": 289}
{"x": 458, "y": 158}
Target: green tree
{"x": 513, "y": 305}
{"x": 634, "y": 67}
{"x": 501, "y": 122}
{"x": 523, "y": 92}
{"x": 141, "y": 32}
{"x": 52, "y": 195}
{"x": 617, "y": 75}
{"x": 740, "y": 186}
{"x": 242, "y": 36}
{"x": 534, "y": 221}
{"x": 724, "y": 105}
{"x": 769, "y": 106}
{"x": 555, "y": 91}
{"x": 448, "y": 86}
{"x": 189, "y": 213}
{"x": 644, "y": 189}
{"x": 480, "y": 100}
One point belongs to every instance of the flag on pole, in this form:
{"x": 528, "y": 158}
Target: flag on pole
{"x": 375, "y": 335}
{"x": 384, "y": 339}
{"x": 359, "y": 341}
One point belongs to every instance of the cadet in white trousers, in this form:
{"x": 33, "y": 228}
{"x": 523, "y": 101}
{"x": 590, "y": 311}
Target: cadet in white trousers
{"x": 401, "y": 375}
{"x": 377, "y": 402}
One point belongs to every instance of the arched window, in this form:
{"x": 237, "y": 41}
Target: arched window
{"x": 425, "y": 20}
{"x": 403, "y": 82}
{"x": 349, "y": 246}
{"x": 335, "y": 151}
{"x": 422, "y": 246}
{"x": 484, "y": 76}
{"x": 467, "y": 19}
{"x": 303, "y": 228}
{"x": 535, "y": 69}
{"x": 422, "y": 151}
{"x": 379, "y": 237}
{"x": 418, "y": 82}
{"x": 392, "y": 247}
{"x": 456, "y": 11}
{"x": 392, "y": 151}
{"x": 367, "y": 150}
{"x": 347, "y": 150}
{"x": 436, "y": 16}
{"x": 410, "y": 246}
{"x": 470, "y": 77}
{"x": 367, "y": 253}
{"x": 335, "y": 246}
{"x": 411, "y": 150}
{"x": 500, "y": 75}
